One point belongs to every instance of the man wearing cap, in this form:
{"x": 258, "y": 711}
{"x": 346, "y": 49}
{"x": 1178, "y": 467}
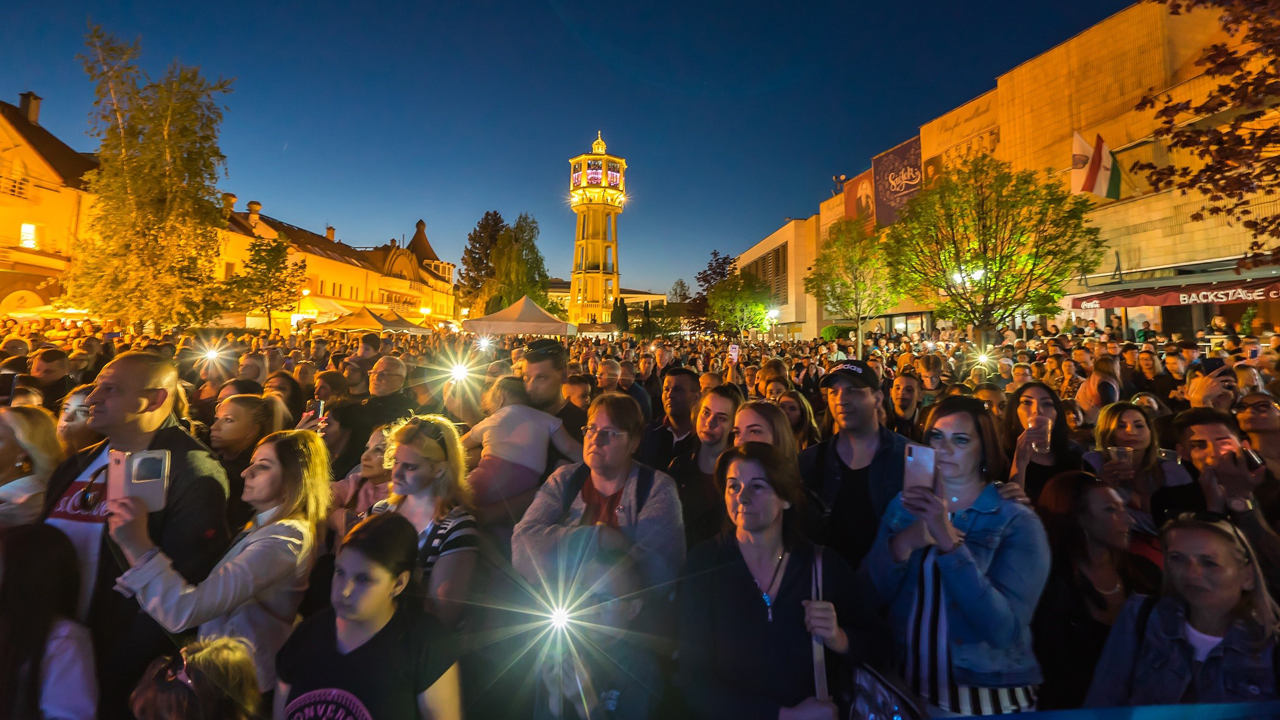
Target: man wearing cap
{"x": 855, "y": 473}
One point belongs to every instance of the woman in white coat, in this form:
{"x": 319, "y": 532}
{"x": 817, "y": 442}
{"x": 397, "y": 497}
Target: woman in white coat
{"x": 255, "y": 589}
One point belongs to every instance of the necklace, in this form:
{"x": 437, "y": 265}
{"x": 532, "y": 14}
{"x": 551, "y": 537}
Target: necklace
{"x": 764, "y": 592}
{"x": 1119, "y": 586}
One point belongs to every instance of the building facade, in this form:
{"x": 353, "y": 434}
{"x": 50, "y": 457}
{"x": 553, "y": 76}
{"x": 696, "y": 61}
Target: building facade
{"x": 1091, "y": 84}
{"x": 45, "y": 211}
{"x": 597, "y": 192}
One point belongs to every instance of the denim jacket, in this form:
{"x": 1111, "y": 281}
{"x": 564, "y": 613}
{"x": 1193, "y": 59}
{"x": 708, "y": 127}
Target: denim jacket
{"x": 1159, "y": 668}
{"x": 992, "y": 580}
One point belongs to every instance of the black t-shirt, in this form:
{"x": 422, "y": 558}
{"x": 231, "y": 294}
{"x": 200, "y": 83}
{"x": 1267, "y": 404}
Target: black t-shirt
{"x": 574, "y": 419}
{"x": 853, "y": 517}
{"x": 380, "y": 679}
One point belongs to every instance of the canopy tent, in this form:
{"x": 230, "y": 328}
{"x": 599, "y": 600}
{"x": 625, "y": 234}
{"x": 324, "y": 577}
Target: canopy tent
{"x": 401, "y": 324}
{"x": 362, "y": 320}
{"x": 524, "y": 317}
{"x": 321, "y": 308}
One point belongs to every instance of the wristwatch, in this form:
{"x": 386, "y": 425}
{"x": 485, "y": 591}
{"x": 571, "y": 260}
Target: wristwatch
{"x": 1240, "y": 505}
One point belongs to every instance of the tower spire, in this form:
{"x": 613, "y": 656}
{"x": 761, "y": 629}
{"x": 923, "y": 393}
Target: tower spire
{"x": 597, "y": 147}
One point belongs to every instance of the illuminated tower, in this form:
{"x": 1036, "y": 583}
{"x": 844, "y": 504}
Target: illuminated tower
{"x": 597, "y": 190}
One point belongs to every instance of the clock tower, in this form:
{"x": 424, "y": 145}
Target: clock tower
{"x": 597, "y": 191}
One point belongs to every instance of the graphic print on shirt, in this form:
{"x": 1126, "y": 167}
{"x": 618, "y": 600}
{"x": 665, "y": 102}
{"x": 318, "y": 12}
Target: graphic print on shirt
{"x": 329, "y": 704}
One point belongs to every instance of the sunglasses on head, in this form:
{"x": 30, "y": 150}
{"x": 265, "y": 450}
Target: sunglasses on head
{"x": 1217, "y": 519}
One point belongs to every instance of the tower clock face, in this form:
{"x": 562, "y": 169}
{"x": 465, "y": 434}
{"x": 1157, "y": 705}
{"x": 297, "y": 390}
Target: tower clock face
{"x": 595, "y": 171}
{"x": 615, "y": 174}
{"x": 577, "y": 175}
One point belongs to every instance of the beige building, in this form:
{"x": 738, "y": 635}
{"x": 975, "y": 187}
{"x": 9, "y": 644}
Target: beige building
{"x": 1089, "y": 84}
{"x": 44, "y": 211}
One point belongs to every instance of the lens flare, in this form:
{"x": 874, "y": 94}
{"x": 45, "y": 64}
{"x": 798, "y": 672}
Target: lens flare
{"x": 560, "y": 618}
{"x": 460, "y": 372}
{"x": 211, "y": 355}
{"x": 484, "y": 343}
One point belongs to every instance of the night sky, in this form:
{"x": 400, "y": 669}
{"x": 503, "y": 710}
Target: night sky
{"x": 733, "y": 115}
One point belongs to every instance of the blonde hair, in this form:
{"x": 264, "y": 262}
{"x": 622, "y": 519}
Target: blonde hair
{"x": 304, "y": 470}
{"x": 265, "y": 411}
{"x": 1255, "y": 604}
{"x": 506, "y": 390}
{"x": 434, "y": 437}
{"x": 222, "y": 683}
{"x": 1105, "y": 429}
{"x": 36, "y": 432}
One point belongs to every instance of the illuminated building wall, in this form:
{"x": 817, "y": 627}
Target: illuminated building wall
{"x": 597, "y": 192}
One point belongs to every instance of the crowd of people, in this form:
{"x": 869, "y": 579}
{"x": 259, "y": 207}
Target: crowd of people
{"x": 435, "y": 526}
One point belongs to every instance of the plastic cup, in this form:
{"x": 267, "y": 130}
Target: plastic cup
{"x": 1122, "y": 454}
{"x": 1036, "y": 423}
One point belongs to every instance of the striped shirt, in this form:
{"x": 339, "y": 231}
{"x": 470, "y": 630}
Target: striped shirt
{"x": 455, "y": 532}
{"x": 928, "y": 662}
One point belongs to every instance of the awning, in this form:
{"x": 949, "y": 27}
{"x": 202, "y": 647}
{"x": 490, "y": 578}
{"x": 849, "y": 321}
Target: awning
{"x": 1225, "y": 292}
{"x": 321, "y": 308}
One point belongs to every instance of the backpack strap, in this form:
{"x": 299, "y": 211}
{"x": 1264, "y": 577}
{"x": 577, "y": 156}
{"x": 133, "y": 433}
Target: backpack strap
{"x": 644, "y": 486}
{"x": 573, "y": 488}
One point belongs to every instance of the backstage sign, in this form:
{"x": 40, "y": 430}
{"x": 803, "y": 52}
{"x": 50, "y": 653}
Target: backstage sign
{"x": 1192, "y": 295}
{"x": 1234, "y": 295}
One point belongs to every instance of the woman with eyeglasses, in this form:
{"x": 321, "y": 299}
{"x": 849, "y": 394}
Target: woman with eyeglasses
{"x": 1035, "y": 434}
{"x": 747, "y": 613}
{"x": 763, "y": 421}
{"x": 255, "y": 589}
{"x": 960, "y": 570}
{"x": 1209, "y": 637}
{"x": 629, "y": 506}
{"x": 47, "y": 662}
{"x": 429, "y": 488}
{"x": 1093, "y": 574}
{"x": 73, "y": 421}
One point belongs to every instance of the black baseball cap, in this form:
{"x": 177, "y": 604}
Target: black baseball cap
{"x": 856, "y": 372}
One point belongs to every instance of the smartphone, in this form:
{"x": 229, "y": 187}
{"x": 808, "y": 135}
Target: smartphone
{"x": 733, "y": 353}
{"x": 918, "y": 466}
{"x": 144, "y": 475}
{"x": 1211, "y": 365}
{"x": 6, "y": 384}
{"x": 1252, "y": 460}
{"x": 1255, "y": 352}
{"x": 315, "y": 407}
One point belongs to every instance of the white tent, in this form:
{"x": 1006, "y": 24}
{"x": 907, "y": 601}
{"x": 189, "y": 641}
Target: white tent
{"x": 522, "y": 318}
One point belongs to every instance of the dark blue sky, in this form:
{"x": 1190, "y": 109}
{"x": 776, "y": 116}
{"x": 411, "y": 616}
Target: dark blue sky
{"x": 732, "y": 114}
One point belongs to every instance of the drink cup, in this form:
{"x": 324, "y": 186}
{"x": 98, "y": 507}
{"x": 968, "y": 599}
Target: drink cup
{"x": 1122, "y": 454}
{"x": 1040, "y": 422}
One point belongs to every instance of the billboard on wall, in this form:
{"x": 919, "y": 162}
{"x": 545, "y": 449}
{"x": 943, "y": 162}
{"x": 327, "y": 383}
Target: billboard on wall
{"x": 860, "y": 198}
{"x": 898, "y": 178}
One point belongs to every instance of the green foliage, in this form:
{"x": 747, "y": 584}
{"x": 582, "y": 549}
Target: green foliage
{"x": 518, "y": 267}
{"x": 739, "y": 303}
{"x": 1247, "y": 318}
{"x": 621, "y": 317}
{"x": 719, "y": 267}
{"x": 679, "y": 292}
{"x": 991, "y": 242}
{"x": 477, "y": 266}
{"x": 837, "y": 332}
{"x": 557, "y": 308}
{"x": 848, "y": 276}
{"x": 269, "y": 282}
{"x": 153, "y": 250}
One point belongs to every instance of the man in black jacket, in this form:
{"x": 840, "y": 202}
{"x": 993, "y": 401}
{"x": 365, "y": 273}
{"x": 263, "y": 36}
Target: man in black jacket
{"x": 132, "y": 406}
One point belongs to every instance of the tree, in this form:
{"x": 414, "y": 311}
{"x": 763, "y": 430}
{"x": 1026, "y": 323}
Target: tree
{"x": 739, "y": 303}
{"x": 848, "y": 276}
{"x": 620, "y": 316}
{"x": 992, "y": 242}
{"x": 153, "y": 250}
{"x": 269, "y": 281}
{"x": 679, "y": 292}
{"x": 719, "y": 268}
{"x": 477, "y": 265}
{"x": 518, "y": 267}
{"x": 1230, "y": 133}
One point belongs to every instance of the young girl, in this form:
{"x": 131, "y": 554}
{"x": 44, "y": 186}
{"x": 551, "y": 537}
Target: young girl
{"x": 513, "y": 442}
{"x": 210, "y": 679}
{"x": 370, "y": 655}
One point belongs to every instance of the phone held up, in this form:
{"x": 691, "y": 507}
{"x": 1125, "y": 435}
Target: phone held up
{"x": 144, "y": 475}
{"x": 918, "y": 467}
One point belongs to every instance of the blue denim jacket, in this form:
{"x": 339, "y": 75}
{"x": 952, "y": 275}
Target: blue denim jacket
{"x": 993, "y": 582}
{"x": 1159, "y": 669}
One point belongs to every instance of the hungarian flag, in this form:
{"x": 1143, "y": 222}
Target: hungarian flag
{"x": 1094, "y": 169}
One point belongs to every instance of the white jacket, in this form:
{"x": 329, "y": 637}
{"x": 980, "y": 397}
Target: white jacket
{"x": 253, "y": 593}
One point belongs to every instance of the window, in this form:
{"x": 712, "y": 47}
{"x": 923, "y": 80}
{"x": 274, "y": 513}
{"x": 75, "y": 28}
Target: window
{"x": 228, "y": 269}
{"x": 27, "y": 236}
{"x": 615, "y": 174}
{"x": 595, "y": 171}
{"x": 577, "y": 175}
{"x": 321, "y": 287}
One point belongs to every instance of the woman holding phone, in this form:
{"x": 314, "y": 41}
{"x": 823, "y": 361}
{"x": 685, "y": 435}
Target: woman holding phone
{"x": 960, "y": 570}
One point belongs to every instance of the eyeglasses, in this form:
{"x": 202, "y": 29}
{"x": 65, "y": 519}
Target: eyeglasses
{"x": 607, "y": 435}
{"x": 383, "y": 373}
{"x": 180, "y": 674}
{"x": 1257, "y": 407}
